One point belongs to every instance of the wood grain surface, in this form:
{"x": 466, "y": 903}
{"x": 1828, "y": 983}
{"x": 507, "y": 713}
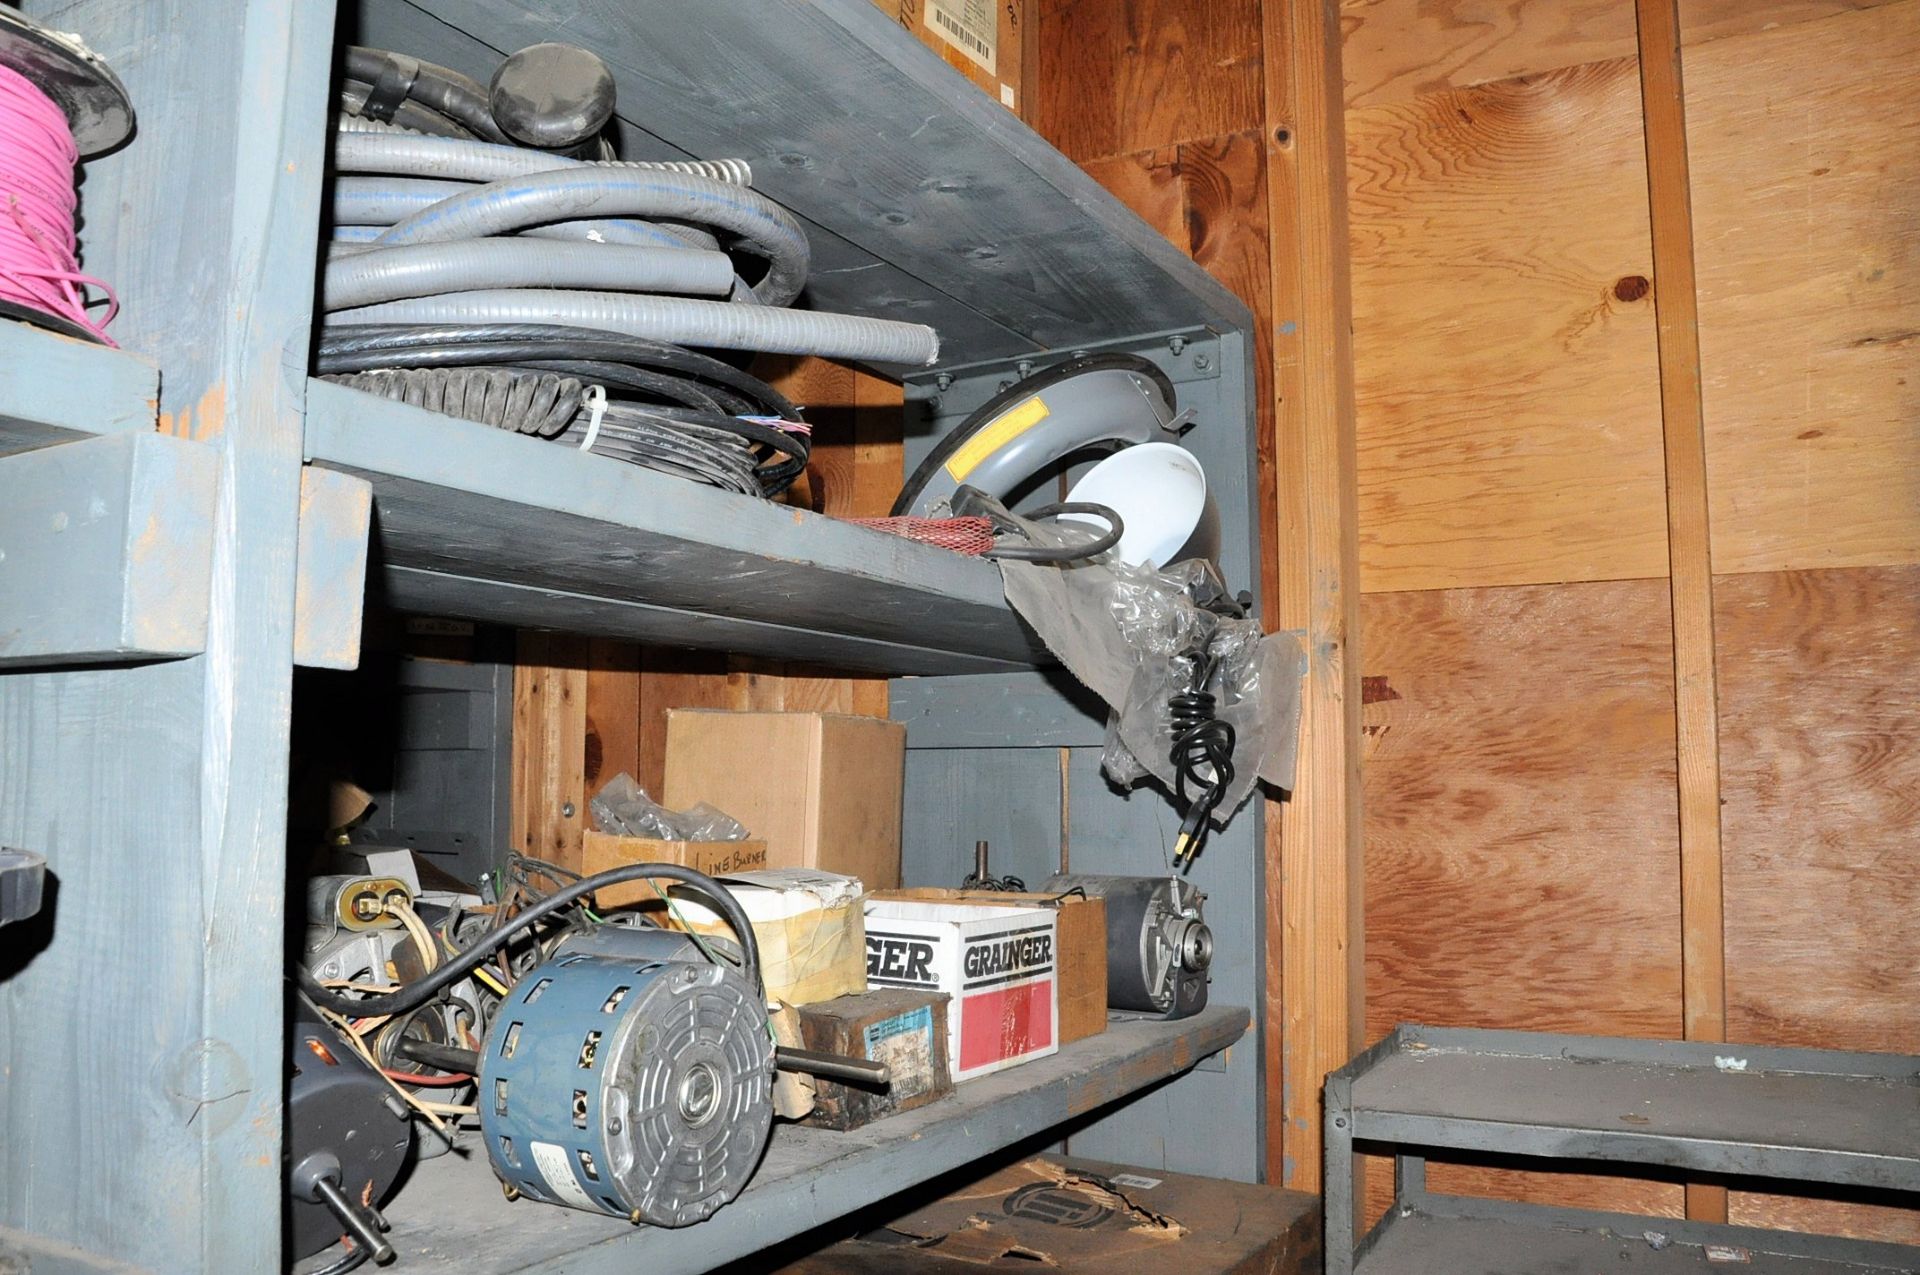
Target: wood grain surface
{"x": 1805, "y": 188}
{"x": 1522, "y": 847}
{"x": 1819, "y": 707}
{"x": 1504, "y": 354}
{"x": 1399, "y": 49}
{"x": 1314, "y": 885}
{"x": 1112, "y": 77}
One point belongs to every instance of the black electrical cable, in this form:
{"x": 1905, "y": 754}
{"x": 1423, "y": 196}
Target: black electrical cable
{"x": 705, "y": 399}
{"x": 969, "y": 501}
{"x": 427, "y": 986}
{"x": 354, "y": 1258}
{"x": 1202, "y": 757}
{"x": 365, "y": 347}
{"x": 437, "y": 88}
{"x": 1065, "y": 553}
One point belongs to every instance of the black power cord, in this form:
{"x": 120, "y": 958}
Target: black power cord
{"x": 426, "y": 987}
{"x": 1202, "y": 756}
{"x": 971, "y": 502}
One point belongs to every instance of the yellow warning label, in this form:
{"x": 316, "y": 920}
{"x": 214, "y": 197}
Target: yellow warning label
{"x": 1003, "y": 429}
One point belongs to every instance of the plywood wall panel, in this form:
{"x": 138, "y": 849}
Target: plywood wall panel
{"x": 1522, "y": 845}
{"x": 1806, "y": 198}
{"x": 1819, "y": 709}
{"x": 1112, "y": 77}
{"x": 1400, "y": 49}
{"x": 1504, "y": 354}
{"x": 1522, "y": 849}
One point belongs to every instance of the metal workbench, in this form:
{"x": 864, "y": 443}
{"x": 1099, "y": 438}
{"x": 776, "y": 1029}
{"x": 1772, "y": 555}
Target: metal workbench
{"x": 205, "y": 517}
{"x": 1800, "y": 1115}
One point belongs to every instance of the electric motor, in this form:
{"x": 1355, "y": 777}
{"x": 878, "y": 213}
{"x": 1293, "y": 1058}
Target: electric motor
{"x": 629, "y": 1075}
{"x": 1158, "y": 945}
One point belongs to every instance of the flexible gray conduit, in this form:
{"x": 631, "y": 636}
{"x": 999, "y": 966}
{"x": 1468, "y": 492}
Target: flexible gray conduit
{"x": 379, "y": 202}
{"x": 367, "y": 276}
{"x": 764, "y": 228}
{"x": 359, "y": 149}
{"x": 715, "y": 324}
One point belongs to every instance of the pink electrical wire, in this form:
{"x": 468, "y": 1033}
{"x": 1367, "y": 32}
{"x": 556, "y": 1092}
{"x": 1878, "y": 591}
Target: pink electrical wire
{"x": 39, "y": 263}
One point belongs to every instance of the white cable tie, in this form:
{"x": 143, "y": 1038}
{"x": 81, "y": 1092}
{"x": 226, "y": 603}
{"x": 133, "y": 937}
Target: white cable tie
{"x": 595, "y": 402}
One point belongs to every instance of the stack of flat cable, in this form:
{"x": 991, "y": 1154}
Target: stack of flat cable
{"x": 569, "y": 299}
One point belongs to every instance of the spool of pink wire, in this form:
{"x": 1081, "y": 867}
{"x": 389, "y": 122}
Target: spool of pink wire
{"x": 39, "y": 251}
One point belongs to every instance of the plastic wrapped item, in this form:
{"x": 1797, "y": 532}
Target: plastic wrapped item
{"x": 623, "y": 809}
{"x": 1146, "y": 641}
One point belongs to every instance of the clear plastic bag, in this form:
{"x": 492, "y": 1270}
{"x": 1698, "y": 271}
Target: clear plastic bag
{"x": 623, "y": 808}
{"x": 1140, "y": 638}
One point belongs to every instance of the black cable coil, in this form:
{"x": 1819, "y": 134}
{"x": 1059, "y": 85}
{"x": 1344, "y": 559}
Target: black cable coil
{"x": 1202, "y": 757}
{"x": 668, "y": 409}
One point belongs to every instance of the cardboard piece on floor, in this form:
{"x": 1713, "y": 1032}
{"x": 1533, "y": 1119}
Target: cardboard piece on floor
{"x": 1085, "y": 1217}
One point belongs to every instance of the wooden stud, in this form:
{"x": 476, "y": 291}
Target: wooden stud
{"x": 548, "y": 776}
{"x": 1689, "y": 548}
{"x": 1314, "y": 878}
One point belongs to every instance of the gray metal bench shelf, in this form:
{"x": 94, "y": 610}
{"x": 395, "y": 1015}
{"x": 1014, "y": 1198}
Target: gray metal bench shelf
{"x": 455, "y": 1219}
{"x": 1803, "y": 1115}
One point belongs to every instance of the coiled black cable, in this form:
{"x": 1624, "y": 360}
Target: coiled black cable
{"x": 431, "y": 984}
{"x": 669, "y": 408}
{"x": 1202, "y": 757}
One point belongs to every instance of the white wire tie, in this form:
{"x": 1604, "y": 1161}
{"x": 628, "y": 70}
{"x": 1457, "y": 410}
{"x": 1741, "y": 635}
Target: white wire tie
{"x": 596, "y": 405}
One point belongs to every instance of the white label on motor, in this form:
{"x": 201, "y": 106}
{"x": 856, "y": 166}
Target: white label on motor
{"x": 970, "y": 26}
{"x": 556, "y": 1166}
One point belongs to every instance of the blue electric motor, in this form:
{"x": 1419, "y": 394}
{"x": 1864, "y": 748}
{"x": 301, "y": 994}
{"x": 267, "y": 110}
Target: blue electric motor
{"x": 628, "y": 1075}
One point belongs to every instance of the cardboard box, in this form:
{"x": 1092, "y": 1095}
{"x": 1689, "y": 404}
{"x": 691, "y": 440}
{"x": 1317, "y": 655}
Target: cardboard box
{"x": 1081, "y": 930}
{"x": 821, "y": 789}
{"x": 905, "y": 1029}
{"x": 809, "y": 925}
{"x": 979, "y": 38}
{"x": 600, "y": 851}
{"x": 1084, "y": 1217}
{"x": 997, "y": 963}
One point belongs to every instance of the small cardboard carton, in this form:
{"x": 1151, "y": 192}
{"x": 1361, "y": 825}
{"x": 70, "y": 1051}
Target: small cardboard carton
{"x": 997, "y": 963}
{"x": 905, "y": 1029}
{"x": 821, "y": 789}
{"x": 600, "y": 851}
{"x": 808, "y": 924}
{"x": 1082, "y": 948}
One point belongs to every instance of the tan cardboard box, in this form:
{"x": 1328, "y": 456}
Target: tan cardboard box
{"x": 979, "y": 38}
{"x": 600, "y": 851}
{"x": 1082, "y": 955}
{"x": 810, "y": 928}
{"x": 821, "y": 789}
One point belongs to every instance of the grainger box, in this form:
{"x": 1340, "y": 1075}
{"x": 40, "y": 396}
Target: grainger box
{"x": 999, "y": 964}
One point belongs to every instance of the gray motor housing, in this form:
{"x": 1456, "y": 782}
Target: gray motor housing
{"x": 1159, "y": 948}
{"x": 628, "y": 1075}
{"x": 1105, "y": 398}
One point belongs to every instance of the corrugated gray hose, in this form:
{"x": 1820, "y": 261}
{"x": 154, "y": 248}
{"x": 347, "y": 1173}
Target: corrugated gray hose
{"x": 522, "y": 189}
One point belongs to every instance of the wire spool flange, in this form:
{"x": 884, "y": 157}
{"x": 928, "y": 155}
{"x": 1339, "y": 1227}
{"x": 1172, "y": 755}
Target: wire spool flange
{"x": 98, "y": 110}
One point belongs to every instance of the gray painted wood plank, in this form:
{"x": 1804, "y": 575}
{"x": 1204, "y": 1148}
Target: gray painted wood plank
{"x": 455, "y": 1219}
{"x": 158, "y": 791}
{"x": 55, "y": 388}
{"x": 852, "y": 123}
{"x": 491, "y": 508}
{"x": 846, "y": 276}
{"x": 1007, "y": 797}
{"x": 105, "y": 550}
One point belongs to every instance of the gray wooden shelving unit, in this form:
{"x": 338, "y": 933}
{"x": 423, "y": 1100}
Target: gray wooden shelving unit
{"x": 238, "y": 513}
{"x": 1795, "y": 1115}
